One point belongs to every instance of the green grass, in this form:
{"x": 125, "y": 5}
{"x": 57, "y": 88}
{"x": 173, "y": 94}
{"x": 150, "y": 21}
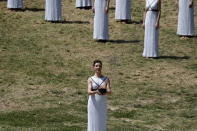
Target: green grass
{"x": 44, "y": 69}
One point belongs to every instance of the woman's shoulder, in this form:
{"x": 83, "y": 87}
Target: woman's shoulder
{"x": 90, "y": 78}
{"x": 105, "y": 78}
{"x": 94, "y": 77}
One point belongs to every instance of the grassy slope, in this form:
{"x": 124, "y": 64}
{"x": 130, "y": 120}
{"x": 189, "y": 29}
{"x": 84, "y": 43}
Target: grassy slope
{"x": 44, "y": 68}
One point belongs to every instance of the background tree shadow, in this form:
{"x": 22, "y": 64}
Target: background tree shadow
{"x": 175, "y": 57}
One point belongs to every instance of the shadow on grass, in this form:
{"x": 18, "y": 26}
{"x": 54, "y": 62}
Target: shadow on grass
{"x": 136, "y": 22}
{"x": 41, "y": 117}
{"x": 84, "y": 8}
{"x": 33, "y": 9}
{"x": 27, "y": 9}
{"x": 131, "y": 22}
{"x": 195, "y": 36}
{"x": 124, "y": 41}
{"x": 70, "y": 22}
{"x": 174, "y": 57}
{"x": 112, "y": 8}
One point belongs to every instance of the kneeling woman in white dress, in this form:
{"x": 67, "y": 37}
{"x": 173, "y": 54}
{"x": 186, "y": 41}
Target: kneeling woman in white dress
{"x": 84, "y": 4}
{"x": 151, "y": 25}
{"x": 98, "y": 88}
{"x": 123, "y": 11}
{"x": 15, "y": 4}
{"x": 186, "y": 26}
{"x": 53, "y": 10}
{"x": 101, "y": 8}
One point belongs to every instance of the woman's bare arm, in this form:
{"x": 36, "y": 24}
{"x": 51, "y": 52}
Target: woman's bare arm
{"x": 90, "y": 92}
{"x": 159, "y": 14}
{"x": 177, "y": 3}
{"x": 144, "y": 16}
{"x": 93, "y": 7}
{"x": 107, "y": 6}
{"x": 109, "y": 91}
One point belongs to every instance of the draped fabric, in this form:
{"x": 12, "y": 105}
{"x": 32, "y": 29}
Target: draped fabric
{"x": 151, "y": 37}
{"x": 123, "y": 10}
{"x": 15, "y": 4}
{"x": 97, "y": 109}
{"x": 100, "y": 21}
{"x": 186, "y": 25}
{"x": 53, "y": 11}
{"x": 151, "y": 4}
{"x": 83, "y": 3}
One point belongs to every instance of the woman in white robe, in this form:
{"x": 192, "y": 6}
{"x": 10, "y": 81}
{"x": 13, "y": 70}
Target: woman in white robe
{"x": 97, "y": 102}
{"x": 53, "y": 10}
{"x": 84, "y": 4}
{"x": 123, "y": 11}
{"x": 151, "y": 25}
{"x": 101, "y": 8}
{"x": 15, "y": 4}
{"x": 186, "y": 27}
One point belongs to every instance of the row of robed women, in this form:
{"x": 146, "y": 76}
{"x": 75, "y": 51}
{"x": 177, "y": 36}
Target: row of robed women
{"x": 152, "y": 13}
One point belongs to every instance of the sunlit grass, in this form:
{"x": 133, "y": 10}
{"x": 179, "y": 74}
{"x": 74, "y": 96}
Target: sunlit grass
{"x": 44, "y": 69}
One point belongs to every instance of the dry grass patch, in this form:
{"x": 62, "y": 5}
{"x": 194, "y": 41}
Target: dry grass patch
{"x": 44, "y": 70}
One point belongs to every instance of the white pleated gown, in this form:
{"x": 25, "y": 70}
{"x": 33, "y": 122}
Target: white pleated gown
{"x": 100, "y": 21}
{"x": 53, "y": 10}
{"x": 123, "y": 10}
{"x": 83, "y": 3}
{"x": 151, "y": 37}
{"x": 97, "y": 110}
{"x": 15, "y": 4}
{"x": 186, "y": 25}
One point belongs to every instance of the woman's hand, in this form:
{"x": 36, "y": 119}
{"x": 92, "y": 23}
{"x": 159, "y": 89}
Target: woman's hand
{"x": 106, "y": 10}
{"x": 143, "y": 25}
{"x": 93, "y": 9}
{"x": 157, "y": 25}
{"x": 97, "y": 92}
{"x": 177, "y": 3}
{"x": 191, "y": 3}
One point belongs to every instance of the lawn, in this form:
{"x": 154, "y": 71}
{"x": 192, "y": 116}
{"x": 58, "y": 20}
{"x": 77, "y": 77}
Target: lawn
{"x": 44, "y": 69}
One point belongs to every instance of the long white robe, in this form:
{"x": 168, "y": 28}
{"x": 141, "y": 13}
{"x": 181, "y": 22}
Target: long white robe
{"x": 97, "y": 109}
{"x": 53, "y": 10}
{"x": 186, "y": 25}
{"x": 15, "y": 4}
{"x": 123, "y": 10}
{"x": 83, "y": 3}
{"x": 151, "y": 37}
{"x": 100, "y": 21}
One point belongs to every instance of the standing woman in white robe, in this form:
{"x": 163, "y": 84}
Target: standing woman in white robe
{"x": 15, "y": 4}
{"x": 186, "y": 27}
{"x": 101, "y": 8}
{"x": 84, "y": 4}
{"x": 151, "y": 21}
{"x": 53, "y": 10}
{"x": 123, "y": 11}
{"x": 97, "y": 102}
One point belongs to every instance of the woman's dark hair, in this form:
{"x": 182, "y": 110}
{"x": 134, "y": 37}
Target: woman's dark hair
{"x": 97, "y": 61}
